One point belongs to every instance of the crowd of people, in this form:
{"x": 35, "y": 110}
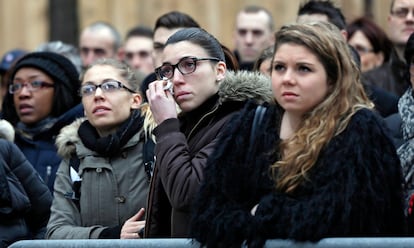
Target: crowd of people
{"x": 301, "y": 133}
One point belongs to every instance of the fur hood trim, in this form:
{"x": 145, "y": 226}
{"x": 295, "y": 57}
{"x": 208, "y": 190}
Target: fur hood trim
{"x": 6, "y": 131}
{"x": 245, "y": 85}
{"x": 68, "y": 137}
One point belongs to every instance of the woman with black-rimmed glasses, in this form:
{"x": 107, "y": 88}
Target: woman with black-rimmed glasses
{"x": 102, "y": 183}
{"x": 194, "y": 76}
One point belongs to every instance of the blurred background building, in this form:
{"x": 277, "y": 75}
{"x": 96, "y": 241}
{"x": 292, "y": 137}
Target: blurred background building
{"x": 28, "y": 23}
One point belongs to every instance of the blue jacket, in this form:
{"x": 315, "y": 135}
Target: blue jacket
{"x": 40, "y": 149}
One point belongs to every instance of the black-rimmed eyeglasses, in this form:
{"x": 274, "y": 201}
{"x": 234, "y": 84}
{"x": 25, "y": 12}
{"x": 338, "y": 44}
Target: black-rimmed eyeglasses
{"x": 16, "y": 87}
{"x": 185, "y": 65}
{"x": 107, "y": 86}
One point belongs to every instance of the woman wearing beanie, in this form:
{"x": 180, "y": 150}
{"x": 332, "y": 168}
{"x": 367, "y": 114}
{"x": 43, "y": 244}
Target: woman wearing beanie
{"x": 103, "y": 181}
{"x": 41, "y": 99}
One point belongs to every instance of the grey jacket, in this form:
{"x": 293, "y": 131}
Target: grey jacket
{"x": 112, "y": 189}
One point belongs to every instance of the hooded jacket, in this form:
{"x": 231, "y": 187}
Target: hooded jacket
{"x": 112, "y": 189}
{"x": 183, "y": 147}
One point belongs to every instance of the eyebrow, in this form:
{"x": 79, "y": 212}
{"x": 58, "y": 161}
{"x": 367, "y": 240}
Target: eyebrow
{"x": 103, "y": 81}
{"x": 296, "y": 63}
{"x": 158, "y": 44}
{"x": 29, "y": 77}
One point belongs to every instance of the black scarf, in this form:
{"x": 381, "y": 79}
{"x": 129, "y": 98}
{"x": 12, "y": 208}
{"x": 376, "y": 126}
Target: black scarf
{"x": 40, "y": 128}
{"x": 111, "y": 145}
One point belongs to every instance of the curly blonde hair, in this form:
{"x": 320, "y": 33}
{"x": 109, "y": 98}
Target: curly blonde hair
{"x": 346, "y": 96}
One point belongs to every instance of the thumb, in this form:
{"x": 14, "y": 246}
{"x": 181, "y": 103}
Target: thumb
{"x": 138, "y": 215}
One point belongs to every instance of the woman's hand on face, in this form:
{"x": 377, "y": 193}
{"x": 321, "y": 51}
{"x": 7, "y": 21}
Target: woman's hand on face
{"x": 132, "y": 227}
{"x": 161, "y": 102}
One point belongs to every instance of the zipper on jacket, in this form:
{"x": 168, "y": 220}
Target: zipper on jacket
{"x": 201, "y": 119}
{"x": 48, "y": 174}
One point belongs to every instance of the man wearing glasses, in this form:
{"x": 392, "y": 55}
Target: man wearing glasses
{"x": 401, "y": 23}
{"x": 390, "y": 76}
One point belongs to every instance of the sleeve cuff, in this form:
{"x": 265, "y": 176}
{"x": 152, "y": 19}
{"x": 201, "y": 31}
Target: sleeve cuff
{"x": 167, "y": 126}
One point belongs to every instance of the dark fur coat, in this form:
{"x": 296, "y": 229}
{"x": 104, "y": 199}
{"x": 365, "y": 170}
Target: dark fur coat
{"x": 354, "y": 189}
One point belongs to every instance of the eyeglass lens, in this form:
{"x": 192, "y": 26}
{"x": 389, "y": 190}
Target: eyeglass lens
{"x": 108, "y": 86}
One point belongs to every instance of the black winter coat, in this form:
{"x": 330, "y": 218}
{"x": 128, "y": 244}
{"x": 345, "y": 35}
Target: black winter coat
{"x": 182, "y": 149}
{"x": 354, "y": 189}
{"x": 26, "y": 216}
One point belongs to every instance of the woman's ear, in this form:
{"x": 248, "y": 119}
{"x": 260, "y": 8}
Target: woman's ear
{"x": 136, "y": 101}
{"x": 379, "y": 59}
{"x": 221, "y": 69}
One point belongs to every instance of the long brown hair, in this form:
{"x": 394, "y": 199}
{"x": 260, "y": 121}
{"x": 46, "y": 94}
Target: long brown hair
{"x": 332, "y": 115}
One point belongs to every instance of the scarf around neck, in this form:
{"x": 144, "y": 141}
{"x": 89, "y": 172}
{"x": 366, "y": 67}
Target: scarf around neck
{"x": 112, "y": 144}
{"x": 31, "y": 131}
{"x": 405, "y": 109}
{"x": 406, "y": 150}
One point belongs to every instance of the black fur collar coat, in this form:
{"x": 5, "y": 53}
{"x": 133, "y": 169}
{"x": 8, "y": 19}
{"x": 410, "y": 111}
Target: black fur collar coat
{"x": 354, "y": 190}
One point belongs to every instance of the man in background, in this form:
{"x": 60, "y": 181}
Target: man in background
{"x": 138, "y": 50}
{"x": 99, "y": 40}
{"x": 254, "y": 32}
{"x": 7, "y": 62}
{"x": 391, "y": 75}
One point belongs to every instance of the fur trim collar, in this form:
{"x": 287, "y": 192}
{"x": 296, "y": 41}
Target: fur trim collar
{"x": 245, "y": 85}
{"x": 6, "y": 130}
{"x": 68, "y": 137}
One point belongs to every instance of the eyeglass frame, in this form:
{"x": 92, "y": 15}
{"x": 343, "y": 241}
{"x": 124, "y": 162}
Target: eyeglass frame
{"x": 402, "y": 11}
{"x": 96, "y": 86}
{"x": 176, "y": 66}
{"x": 31, "y": 88}
{"x": 362, "y": 49}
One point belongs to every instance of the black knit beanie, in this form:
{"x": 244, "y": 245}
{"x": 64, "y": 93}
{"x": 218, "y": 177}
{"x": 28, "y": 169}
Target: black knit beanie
{"x": 56, "y": 66}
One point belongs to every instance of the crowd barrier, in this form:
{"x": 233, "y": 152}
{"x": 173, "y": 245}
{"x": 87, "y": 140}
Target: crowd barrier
{"x": 188, "y": 243}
